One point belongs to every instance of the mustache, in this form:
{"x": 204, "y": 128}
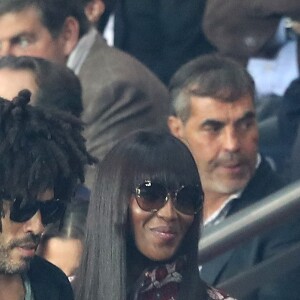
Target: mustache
{"x": 229, "y": 158}
{"x": 30, "y": 239}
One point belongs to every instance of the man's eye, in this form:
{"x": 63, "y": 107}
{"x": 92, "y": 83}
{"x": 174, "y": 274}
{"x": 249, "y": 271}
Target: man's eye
{"x": 212, "y": 128}
{"x": 23, "y": 42}
{"x": 247, "y": 124}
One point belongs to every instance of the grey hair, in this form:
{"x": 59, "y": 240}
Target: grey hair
{"x": 211, "y": 76}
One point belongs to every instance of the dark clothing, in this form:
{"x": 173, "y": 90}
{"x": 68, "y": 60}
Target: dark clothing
{"x": 260, "y": 247}
{"x": 48, "y": 282}
{"x": 161, "y": 34}
{"x": 288, "y": 127}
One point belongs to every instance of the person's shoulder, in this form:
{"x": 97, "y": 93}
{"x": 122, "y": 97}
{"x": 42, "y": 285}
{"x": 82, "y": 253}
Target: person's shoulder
{"x": 264, "y": 182}
{"x": 215, "y": 294}
{"x": 41, "y": 266}
{"x": 117, "y": 61}
{"x": 42, "y": 274}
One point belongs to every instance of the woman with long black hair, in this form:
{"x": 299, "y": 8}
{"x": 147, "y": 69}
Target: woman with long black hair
{"x": 143, "y": 224}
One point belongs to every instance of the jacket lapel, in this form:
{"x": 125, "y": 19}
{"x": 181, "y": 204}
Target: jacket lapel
{"x": 41, "y": 286}
{"x": 212, "y": 270}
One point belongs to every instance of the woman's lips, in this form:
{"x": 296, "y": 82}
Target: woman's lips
{"x": 164, "y": 233}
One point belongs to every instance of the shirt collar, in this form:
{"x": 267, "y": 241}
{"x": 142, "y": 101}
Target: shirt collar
{"x": 81, "y": 51}
{"x": 27, "y": 286}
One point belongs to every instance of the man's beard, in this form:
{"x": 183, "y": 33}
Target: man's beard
{"x": 10, "y": 267}
{"x": 229, "y": 184}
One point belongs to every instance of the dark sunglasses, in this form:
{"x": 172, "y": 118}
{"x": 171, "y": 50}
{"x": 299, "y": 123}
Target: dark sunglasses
{"x": 51, "y": 210}
{"x": 152, "y": 196}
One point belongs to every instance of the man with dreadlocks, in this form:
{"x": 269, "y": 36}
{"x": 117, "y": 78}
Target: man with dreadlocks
{"x": 42, "y": 158}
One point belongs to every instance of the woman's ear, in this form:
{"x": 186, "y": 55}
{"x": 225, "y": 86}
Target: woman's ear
{"x": 94, "y": 10}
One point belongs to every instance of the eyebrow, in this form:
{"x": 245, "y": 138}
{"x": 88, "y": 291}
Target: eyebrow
{"x": 17, "y": 36}
{"x": 212, "y": 122}
{"x": 249, "y": 115}
{"x": 20, "y": 34}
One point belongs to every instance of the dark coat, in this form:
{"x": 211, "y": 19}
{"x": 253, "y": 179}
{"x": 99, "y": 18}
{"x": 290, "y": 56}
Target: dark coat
{"x": 162, "y": 34}
{"x": 260, "y": 247}
{"x": 48, "y": 282}
{"x": 289, "y": 130}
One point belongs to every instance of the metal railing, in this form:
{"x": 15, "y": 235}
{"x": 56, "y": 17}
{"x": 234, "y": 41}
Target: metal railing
{"x": 268, "y": 213}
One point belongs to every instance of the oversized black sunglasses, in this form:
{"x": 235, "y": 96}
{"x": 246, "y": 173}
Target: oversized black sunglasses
{"x": 51, "y": 210}
{"x": 152, "y": 196}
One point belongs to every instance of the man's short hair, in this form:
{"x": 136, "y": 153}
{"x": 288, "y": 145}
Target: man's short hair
{"x": 58, "y": 86}
{"x": 39, "y": 150}
{"x": 53, "y": 12}
{"x": 211, "y": 76}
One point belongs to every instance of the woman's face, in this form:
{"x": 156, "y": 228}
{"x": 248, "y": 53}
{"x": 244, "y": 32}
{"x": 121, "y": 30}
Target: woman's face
{"x": 158, "y": 235}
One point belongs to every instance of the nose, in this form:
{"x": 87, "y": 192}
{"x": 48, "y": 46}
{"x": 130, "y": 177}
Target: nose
{"x": 168, "y": 211}
{"x": 231, "y": 140}
{"x": 35, "y": 224}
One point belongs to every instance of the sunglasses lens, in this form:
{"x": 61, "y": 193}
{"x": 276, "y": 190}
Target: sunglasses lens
{"x": 24, "y": 213}
{"x": 51, "y": 211}
{"x": 188, "y": 200}
{"x": 151, "y": 196}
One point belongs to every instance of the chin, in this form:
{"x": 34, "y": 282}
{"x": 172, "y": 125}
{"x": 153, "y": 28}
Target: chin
{"x": 232, "y": 186}
{"x": 20, "y": 267}
{"x": 161, "y": 256}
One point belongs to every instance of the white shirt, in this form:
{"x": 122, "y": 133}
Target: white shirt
{"x": 108, "y": 33}
{"x": 81, "y": 51}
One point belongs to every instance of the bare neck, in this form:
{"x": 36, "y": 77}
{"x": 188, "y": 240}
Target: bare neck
{"x": 11, "y": 287}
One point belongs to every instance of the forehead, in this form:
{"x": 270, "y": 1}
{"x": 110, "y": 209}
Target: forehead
{"x": 14, "y": 23}
{"x": 203, "y": 108}
{"x": 46, "y": 195}
{"x": 12, "y": 81}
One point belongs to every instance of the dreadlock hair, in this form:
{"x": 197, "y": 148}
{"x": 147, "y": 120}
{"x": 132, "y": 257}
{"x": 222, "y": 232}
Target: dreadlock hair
{"x": 39, "y": 149}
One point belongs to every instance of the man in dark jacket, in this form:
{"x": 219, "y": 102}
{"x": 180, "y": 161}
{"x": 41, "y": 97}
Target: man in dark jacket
{"x": 214, "y": 114}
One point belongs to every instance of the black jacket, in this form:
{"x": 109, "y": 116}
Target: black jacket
{"x": 260, "y": 247}
{"x": 48, "y": 282}
{"x": 161, "y": 34}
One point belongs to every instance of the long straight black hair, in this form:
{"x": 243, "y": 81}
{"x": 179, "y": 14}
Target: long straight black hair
{"x": 141, "y": 156}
